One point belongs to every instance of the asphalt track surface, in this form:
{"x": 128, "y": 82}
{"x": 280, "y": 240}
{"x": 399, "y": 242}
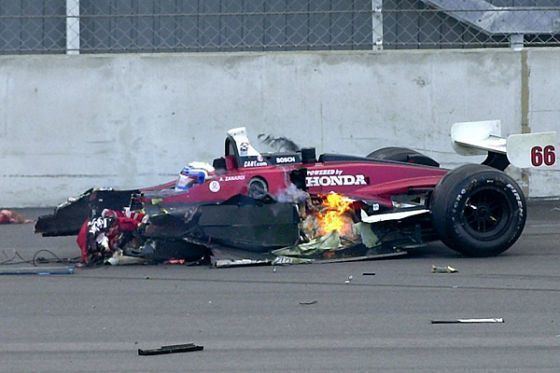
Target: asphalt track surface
{"x": 251, "y": 319}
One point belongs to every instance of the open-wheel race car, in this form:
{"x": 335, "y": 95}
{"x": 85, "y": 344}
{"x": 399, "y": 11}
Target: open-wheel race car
{"x": 330, "y": 207}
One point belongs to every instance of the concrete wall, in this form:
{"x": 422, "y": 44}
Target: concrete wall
{"x": 544, "y": 112}
{"x": 71, "y": 122}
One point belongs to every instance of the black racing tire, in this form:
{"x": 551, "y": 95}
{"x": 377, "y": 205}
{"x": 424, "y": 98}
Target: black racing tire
{"x": 257, "y": 188}
{"x": 478, "y": 211}
{"x": 397, "y": 154}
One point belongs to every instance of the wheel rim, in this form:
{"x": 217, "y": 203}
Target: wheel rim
{"x": 257, "y": 188}
{"x": 487, "y": 213}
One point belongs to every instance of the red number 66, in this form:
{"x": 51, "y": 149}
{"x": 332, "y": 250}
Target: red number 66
{"x": 544, "y": 155}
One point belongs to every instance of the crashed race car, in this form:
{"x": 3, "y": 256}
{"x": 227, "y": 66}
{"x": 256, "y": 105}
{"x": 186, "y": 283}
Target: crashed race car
{"x": 295, "y": 207}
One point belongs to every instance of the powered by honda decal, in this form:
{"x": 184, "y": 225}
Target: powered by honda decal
{"x": 332, "y": 177}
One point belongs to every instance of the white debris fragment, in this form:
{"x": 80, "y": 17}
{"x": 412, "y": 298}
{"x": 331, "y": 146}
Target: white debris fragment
{"x": 448, "y": 269}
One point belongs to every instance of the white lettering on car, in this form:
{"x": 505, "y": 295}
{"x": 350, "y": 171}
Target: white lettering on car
{"x": 234, "y": 178}
{"x": 322, "y": 172}
{"x": 254, "y": 164}
{"x": 285, "y": 159}
{"x": 335, "y": 180}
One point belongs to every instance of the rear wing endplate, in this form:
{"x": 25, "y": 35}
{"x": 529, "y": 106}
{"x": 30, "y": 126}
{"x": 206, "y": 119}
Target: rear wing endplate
{"x": 521, "y": 150}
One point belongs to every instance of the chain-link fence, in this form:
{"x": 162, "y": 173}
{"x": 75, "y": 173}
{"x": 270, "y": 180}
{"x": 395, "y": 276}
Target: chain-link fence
{"x": 470, "y": 23}
{"x": 226, "y": 25}
{"x": 111, "y": 26}
{"x": 32, "y": 26}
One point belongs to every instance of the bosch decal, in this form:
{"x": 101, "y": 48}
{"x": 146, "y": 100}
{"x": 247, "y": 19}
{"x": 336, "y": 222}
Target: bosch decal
{"x": 280, "y": 160}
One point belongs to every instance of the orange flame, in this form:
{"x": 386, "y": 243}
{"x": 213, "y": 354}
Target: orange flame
{"x": 335, "y": 218}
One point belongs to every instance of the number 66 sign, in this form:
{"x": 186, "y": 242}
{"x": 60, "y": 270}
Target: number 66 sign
{"x": 540, "y": 155}
{"x": 533, "y": 150}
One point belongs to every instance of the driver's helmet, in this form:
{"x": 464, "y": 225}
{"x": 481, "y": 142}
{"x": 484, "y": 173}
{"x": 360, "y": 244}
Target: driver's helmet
{"x": 190, "y": 176}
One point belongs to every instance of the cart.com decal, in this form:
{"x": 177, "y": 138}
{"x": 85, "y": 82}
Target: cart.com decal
{"x": 331, "y": 177}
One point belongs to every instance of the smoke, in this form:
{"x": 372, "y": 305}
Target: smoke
{"x": 279, "y": 143}
{"x": 292, "y": 195}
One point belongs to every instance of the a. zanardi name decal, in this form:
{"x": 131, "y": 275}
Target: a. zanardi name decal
{"x": 333, "y": 177}
{"x": 232, "y": 178}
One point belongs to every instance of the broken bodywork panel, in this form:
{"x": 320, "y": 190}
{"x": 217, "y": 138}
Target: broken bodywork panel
{"x": 240, "y": 222}
{"x": 69, "y": 216}
{"x": 285, "y": 232}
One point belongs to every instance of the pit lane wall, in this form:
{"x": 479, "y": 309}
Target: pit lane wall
{"x": 71, "y": 122}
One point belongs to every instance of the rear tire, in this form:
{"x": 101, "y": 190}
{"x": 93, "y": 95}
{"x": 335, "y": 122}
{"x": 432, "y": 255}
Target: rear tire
{"x": 393, "y": 153}
{"x": 478, "y": 211}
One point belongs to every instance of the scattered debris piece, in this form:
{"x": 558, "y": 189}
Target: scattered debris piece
{"x": 274, "y": 269}
{"x": 41, "y": 271}
{"x": 120, "y": 259}
{"x": 285, "y": 260}
{"x": 38, "y": 258}
{"x": 228, "y": 263}
{"x": 175, "y": 261}
{"x": 394, "y": 254}
{"x": 368, "y": 274}
{"x": 349, "y": 279}
{"x": 12, "y": 217}
{"x": 439, "y": 269}
{"x": 308, "y": 303}
{"x": 314, "y": 248}
{"x": 171, "y": 349}
{"x": 103, "y": 237}
{"x": 469, "y": 321}
{"x": 369, "y": 238}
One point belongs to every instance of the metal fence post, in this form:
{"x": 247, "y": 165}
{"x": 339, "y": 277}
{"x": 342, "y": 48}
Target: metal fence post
{"x": 516, "y": 41}
{"x": 72, "y": 26}
{"x": 377, "y": 24}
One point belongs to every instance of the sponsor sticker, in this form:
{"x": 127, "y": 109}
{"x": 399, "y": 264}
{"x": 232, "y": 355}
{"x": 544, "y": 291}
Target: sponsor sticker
{"x": 331, "y": 177}
{"x": 281, "y": 160}
{"x": 214, "y": 186}
{"x": 254, "y": 164}
{"x": 323, "y": 172}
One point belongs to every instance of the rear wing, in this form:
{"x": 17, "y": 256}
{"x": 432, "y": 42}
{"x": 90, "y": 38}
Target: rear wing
{"x": 521, "y": 150}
